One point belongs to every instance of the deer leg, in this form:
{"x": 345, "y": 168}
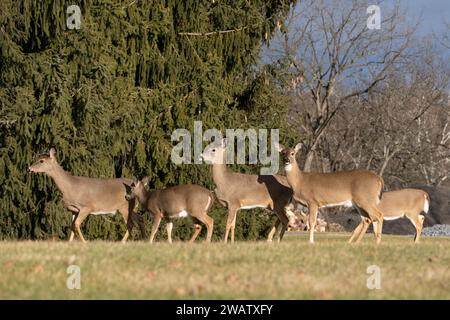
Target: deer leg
{"x": 281, "y": 233}
{"x": 130, "y": 217}
{"x": 127, "y": 217}
{"x": 141, "y": 224}
{"x": 130, "y": 221}
{"x": 233, "y": 225}
{"x": 284, "y": 218}
{"x": 278, "y": 229}
{"x": 209, "y": 227}
{"x": 273, "y": 230}
{"x": 231, "y": 218}
{"x": 377, "y": 229}
{"x": 365, "y": 224}
{"x": 197, "y": 229}
{"x": 357, "y": 231}
{"x": 72, "y": 228}
{"x": 312, "y": 221}
{"x": 155, "y": 226}
{"x": 78, "y": 220}
{"x": 136, "y": 218}
{"x": 418, "y": 224}
{"x": 169, "y": 227}
{"x": 209, "y": 223}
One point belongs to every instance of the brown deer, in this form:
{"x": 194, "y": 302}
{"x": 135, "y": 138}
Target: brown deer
{"x": 409, "y": 203}
{"x": 84, "y": 196}
{"x": 359, "y": 188}
{"x": 238, "y": 191}
{"x": 175, "y": 202}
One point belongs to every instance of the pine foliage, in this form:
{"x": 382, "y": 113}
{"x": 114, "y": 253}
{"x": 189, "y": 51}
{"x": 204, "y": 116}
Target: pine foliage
{"x": 109, "y": 95}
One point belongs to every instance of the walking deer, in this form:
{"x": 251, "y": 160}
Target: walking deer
{"x": 84, "y": 196}
{"x": 359, "y": 188}
{"x": 409, "y": 203}
{"x": 175, "y": 202}
{"x": 238, "y": 191}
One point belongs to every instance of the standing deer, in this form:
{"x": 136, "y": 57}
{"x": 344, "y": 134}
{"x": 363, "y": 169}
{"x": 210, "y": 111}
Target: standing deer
{"x": 84, "y": 196}
{"x": 238, "y": 191}
{"x": 175, "y": 202}
{"x": 410, "y": 203}
{"x": 359, "y": 188}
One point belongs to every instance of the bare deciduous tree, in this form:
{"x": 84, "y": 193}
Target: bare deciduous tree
{"x": 330, "y": 56}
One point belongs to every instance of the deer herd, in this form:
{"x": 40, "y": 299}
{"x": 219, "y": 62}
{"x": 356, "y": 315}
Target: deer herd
{"x": 360, "y": 189}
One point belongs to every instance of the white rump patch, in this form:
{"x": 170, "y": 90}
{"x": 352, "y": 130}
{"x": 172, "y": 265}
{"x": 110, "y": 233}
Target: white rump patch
{"x": 182, "y": 214}
{"x": 393, "y": 218}
{"x": 426, "y": 206}
{"x": 252, "y": 207}
{"x": 98, "y": 213}
{"x": 347, "y": 204}
{"x": 288, "y": 167}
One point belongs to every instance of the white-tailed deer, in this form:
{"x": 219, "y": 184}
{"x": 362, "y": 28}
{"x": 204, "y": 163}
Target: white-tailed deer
{"x": 175, "y": 202}
{"x": 84, "y": 196}
{"x": 238, "y": 191}
{"x": 359, "y": 188}
{"x": 410, "y": 203}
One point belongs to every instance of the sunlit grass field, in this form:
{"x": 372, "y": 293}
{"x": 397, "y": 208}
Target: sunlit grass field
{"x": 293, "y": 269}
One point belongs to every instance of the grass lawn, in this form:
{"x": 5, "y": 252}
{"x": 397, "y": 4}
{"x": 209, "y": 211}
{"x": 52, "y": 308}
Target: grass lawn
{"x": 293, "y": 269}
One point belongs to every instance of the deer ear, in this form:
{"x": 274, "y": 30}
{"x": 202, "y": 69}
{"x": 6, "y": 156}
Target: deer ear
{"x": 298, "y": 147}
{"x": 52, "y": 153}
{"x": 145, "y": 181}
{"x": 135, "y": 180}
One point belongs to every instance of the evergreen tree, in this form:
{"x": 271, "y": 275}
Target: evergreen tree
{"x": 109, "y": 95}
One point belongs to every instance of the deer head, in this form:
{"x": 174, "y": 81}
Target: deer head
{"x": 45, "y": 163}
{"x": 288, "y": 154}
{"x": 215, "y": 152}
{"x": 137, "y": 187}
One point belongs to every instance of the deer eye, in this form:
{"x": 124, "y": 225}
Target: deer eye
{"x": 41, "y": 161}
{"x": 292, "y": 154}
{"x": 213, "y": 150}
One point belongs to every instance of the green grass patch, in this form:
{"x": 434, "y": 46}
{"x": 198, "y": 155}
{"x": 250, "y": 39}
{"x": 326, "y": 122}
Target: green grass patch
{"x": 293, "y": 269}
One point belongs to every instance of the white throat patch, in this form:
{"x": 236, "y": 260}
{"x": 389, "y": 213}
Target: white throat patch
{"x": 288, "y": 167}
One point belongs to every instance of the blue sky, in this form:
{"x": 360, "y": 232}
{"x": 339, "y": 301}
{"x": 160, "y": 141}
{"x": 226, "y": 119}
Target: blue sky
{"x": 432, "y": 12}
{"x": 431, "y": 16}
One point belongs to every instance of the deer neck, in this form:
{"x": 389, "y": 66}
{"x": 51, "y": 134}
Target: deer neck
{"x": 220, "y": 173}
{"x": 294, "y": 175}
{"x": 143, "y": 196}
{"x": 62, "y": 179}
